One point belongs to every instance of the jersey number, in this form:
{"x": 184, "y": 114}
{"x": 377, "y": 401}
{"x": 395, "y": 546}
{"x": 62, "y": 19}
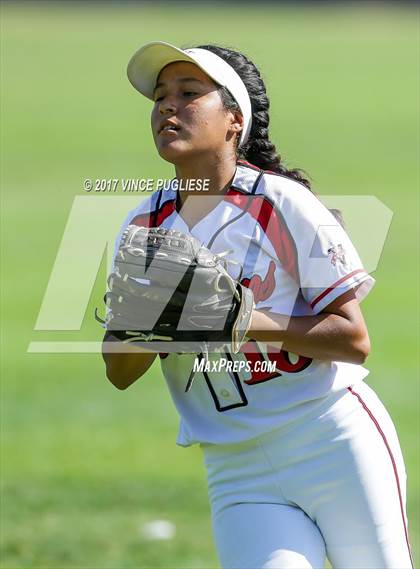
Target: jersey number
{"x": 282, "y": 360}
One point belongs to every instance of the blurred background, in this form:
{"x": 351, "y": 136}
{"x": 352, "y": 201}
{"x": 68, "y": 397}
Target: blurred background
{"x": 85, "y": 468}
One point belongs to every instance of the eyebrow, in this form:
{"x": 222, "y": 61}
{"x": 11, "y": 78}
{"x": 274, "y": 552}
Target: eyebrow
{"x": 181, "y": 80}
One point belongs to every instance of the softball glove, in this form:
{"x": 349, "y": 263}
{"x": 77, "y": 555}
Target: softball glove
{"x": 168, "y": 288}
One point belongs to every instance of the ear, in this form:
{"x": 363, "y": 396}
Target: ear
{"x": 236, "y": 122}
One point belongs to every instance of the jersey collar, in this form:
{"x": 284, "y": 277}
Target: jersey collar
{"x": 244, "y": 180}
{"x": 245, "y": 177}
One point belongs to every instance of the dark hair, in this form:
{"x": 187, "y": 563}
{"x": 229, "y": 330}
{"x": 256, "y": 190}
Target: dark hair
{"x": 258, "y": 150}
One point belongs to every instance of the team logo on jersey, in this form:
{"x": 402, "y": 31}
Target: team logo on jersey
{"x": 262, "y": 289}
{"x": 337, "y": 255}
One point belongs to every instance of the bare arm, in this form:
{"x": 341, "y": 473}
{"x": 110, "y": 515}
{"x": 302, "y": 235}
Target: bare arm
{"x": 338, "y": 333}
{"x": 124, "y": 367}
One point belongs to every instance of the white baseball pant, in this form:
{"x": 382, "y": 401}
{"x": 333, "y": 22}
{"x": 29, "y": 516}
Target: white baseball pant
{"x": 332, "y": 484}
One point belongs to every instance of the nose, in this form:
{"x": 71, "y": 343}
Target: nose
{"x": 167, "y": 106}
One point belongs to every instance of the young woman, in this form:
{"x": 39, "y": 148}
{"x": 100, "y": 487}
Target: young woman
{"x": 303, "y": 461}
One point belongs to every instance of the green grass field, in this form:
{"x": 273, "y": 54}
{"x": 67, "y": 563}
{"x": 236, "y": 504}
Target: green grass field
{"x": 83, "y": 465}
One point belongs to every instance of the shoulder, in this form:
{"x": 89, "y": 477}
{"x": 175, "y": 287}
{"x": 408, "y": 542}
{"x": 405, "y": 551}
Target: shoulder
{"x": 283, "y": 191}
{"x": 265, "y": 183}
{"x": 285, "y": 196}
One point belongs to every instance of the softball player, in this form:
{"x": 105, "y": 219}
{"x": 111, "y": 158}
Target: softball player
{"x": 302, "y": 458}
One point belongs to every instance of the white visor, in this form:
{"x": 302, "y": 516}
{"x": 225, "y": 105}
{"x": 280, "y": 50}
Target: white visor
{"x": 146, "y": 64}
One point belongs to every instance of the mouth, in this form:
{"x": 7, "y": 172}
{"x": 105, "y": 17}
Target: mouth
{"x": 168, "y": 129}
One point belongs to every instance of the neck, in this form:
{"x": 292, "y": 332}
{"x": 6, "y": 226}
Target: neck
{"x": 219, "y": 170}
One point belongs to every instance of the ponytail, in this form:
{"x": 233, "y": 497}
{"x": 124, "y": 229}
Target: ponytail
{"x": 258, "y": 149}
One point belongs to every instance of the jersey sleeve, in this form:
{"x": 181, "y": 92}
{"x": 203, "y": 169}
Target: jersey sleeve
{"x": 326, "y": 260}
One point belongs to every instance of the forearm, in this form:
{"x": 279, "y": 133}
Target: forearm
{"x": 124, "y": 363}
{"x": 324, "y": 336}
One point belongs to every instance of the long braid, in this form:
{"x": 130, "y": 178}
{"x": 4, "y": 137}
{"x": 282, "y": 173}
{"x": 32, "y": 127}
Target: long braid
{"x": 259, "y": 149}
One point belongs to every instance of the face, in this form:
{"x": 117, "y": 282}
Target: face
{"x": 188, "y": 118}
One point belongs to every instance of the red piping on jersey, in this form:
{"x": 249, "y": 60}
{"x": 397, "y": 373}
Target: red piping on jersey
{"x": 394, "y": 466}
{"x": 145, "y": 219}
{"x": 333, "y": 286}
{"x": 266, "y": 216}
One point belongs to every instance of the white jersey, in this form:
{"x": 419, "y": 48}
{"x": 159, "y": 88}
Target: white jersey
{"x": 295, "y": 256}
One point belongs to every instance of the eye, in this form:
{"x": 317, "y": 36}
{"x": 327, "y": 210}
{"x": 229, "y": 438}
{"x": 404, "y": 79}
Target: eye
{"x": 189, "y": 93}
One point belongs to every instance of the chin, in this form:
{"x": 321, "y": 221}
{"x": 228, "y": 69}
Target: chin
{"x": 172, "y": 154}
